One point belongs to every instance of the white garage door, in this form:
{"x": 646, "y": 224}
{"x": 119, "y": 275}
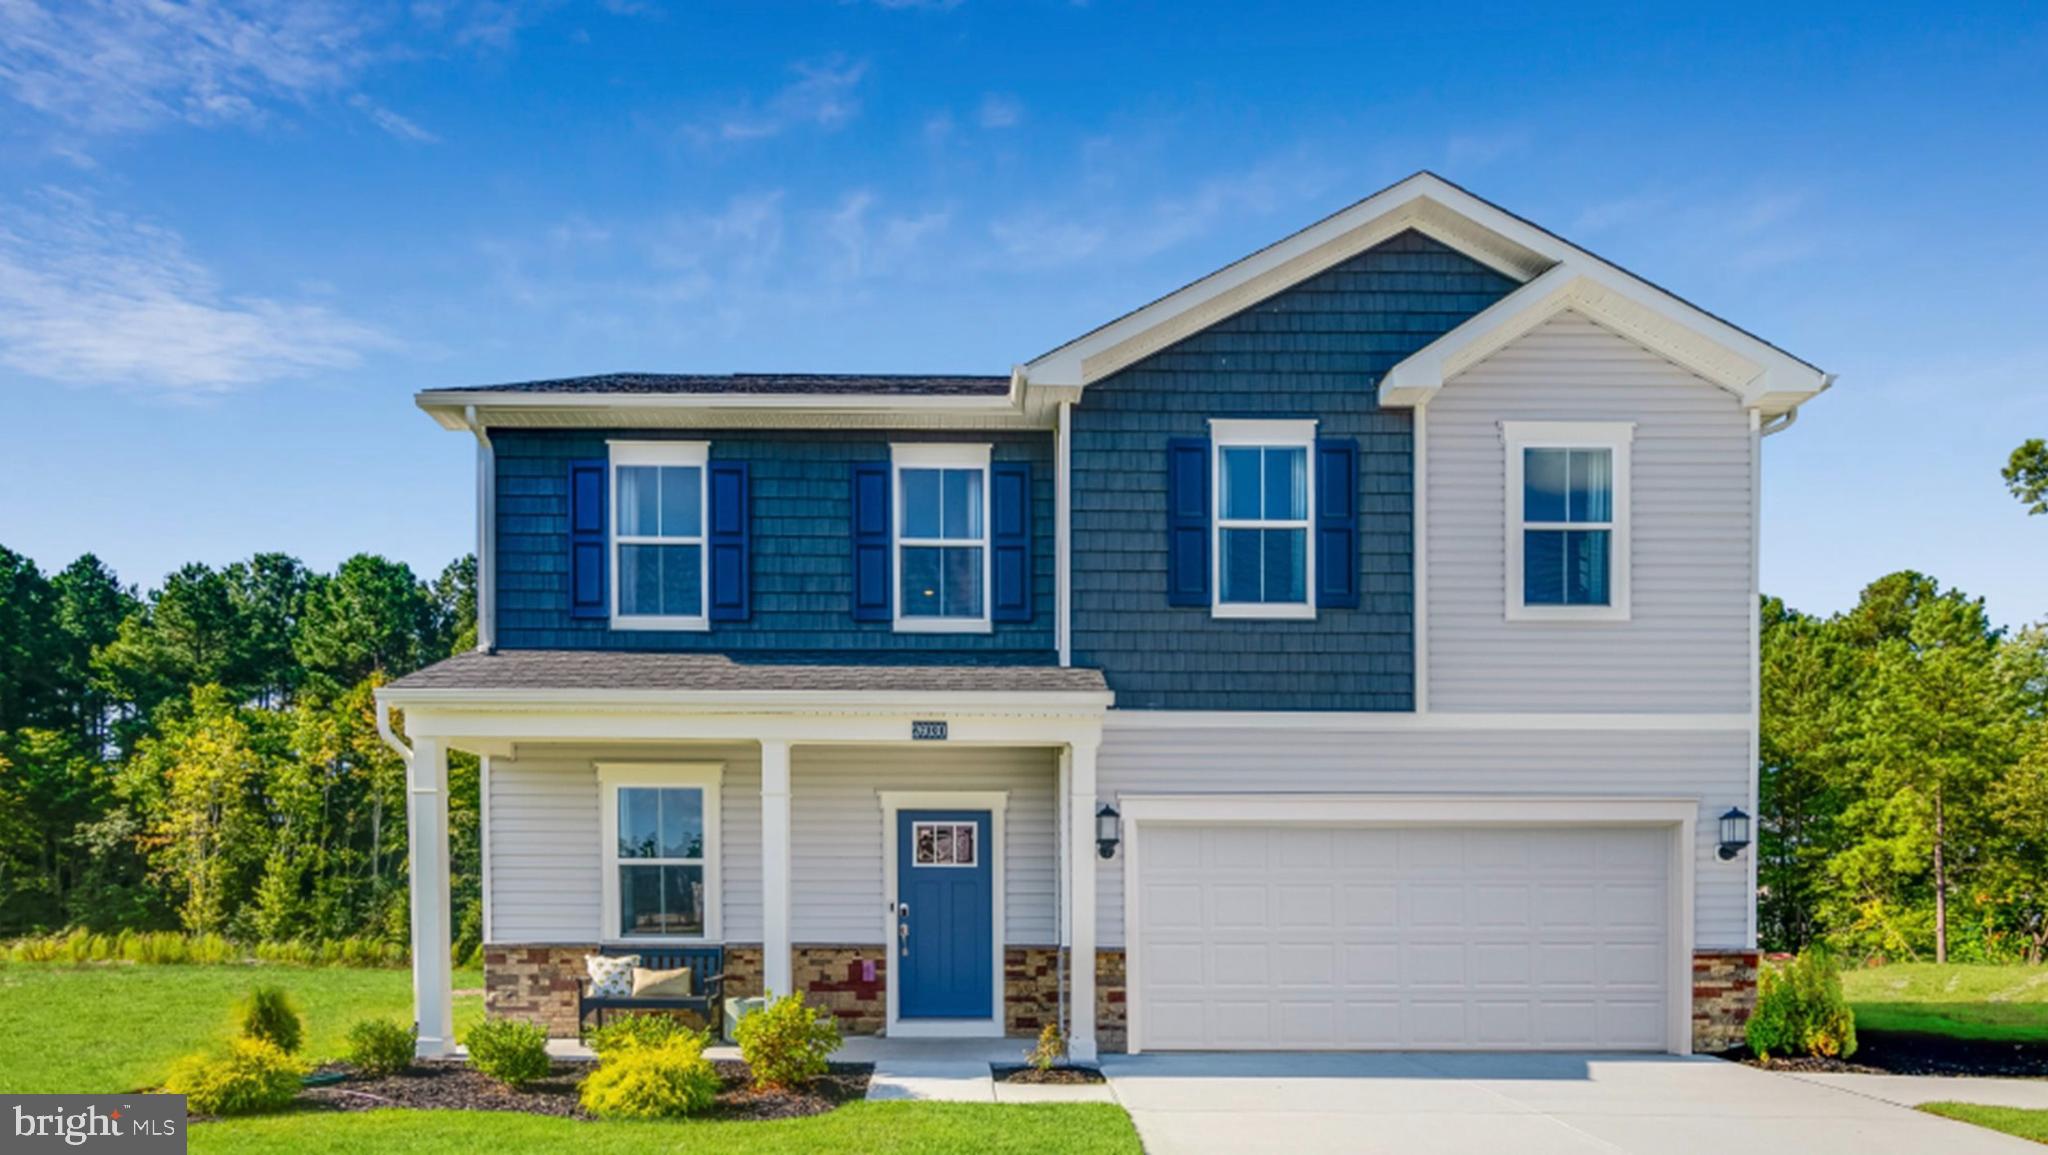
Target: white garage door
{"x": 1287, "y": 937}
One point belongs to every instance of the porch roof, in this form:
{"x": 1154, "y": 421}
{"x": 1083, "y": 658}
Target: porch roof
{"x": 599, "y": 670}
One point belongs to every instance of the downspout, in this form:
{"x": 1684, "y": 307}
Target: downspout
{"x": 486, "y": 534}
{"x": 1756, "y": 650}
{"x": 1063, "y": 534}
{"x": 390, "y": 736}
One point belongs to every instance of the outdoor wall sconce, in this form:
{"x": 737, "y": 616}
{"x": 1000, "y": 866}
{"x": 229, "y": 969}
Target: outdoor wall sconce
{"x": 1734, "y": 833}
{"x": 1108, "y": 830}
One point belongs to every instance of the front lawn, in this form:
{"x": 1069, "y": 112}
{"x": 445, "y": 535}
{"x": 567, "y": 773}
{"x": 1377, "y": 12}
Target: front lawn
{"x": 2020, "y": 1121}
{"x": 1963, "y": 1001}
{"x": 117, "y": 1027}
{"x": 907, "y": 1128}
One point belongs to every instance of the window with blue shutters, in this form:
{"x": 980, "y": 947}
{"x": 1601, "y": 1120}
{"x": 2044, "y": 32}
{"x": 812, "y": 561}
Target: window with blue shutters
{"x": 658, "y": 547}
{"x": 942, "y": 553}
{"x": 1264, "y": 547}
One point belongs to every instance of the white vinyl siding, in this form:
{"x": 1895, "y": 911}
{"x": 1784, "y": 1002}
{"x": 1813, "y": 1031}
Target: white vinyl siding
{"x": 1712, "y": 765}
{"x": 836, "y": 833}
{"x": 1685, "y": 647}
{"x": 547, "y": 865}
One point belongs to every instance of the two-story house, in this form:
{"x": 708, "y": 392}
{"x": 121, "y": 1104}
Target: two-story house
{"x": 1355, "y": 648}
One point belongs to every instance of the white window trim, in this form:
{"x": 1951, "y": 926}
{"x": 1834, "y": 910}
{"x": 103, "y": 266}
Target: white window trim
{"x": 1614, "y": 436}
{"x": 706, "y": 776}
{"x": 924, "y": 455}
{"x": 696, "y": 453}
{"x": 1225, "y": 433}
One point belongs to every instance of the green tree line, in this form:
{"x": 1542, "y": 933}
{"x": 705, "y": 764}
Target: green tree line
{"x": 204, "y": 757}
{"x": 1904, "y": 779}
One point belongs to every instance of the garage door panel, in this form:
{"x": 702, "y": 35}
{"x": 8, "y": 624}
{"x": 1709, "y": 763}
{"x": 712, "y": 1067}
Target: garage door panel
{"x": 1276, "y": 937}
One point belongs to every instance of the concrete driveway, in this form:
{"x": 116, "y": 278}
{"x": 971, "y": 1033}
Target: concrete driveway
{"x": 1422, "y": 1104}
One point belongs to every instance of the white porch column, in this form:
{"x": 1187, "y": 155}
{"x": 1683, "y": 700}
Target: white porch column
{"x": 775, "y": 944}
{"x": 426, "y": 816}
{"x": 1081, "y": 886}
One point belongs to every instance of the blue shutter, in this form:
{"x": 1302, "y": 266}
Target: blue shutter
{"x": 1010, "y": 539}
{"x": 1187, "y": 521}
{"x": 871, "y": 542}
{"x": 1336, "y": 523}
{"x": 589, "y": 597}
{"x": 728, "y": 541}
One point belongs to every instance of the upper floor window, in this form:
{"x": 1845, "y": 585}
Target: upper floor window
{"x": 942, "y": 548}
{"x": 1264, "y": 547}
{"x": 1567, "y": 503}
{"x": 658, "y": 516}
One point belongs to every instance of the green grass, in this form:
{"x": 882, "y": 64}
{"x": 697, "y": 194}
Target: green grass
{"x": 907, "y": 1128}
{"x": 1964, "y": 1001}
{"x": 116, "y": 1027}
{"x": 2021, "y": 1121}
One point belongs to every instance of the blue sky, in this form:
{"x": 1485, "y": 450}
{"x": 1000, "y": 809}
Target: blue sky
{"x": 235, "y": 239}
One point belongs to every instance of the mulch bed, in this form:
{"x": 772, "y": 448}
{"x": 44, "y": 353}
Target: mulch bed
{"x": 1056, "y": 1076}
{"x": 454, "y": 1086}
{"x": 1905, "y": 1053}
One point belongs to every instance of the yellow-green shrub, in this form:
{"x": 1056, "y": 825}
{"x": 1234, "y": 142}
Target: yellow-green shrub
{"x": 381, "y": 1046}
{"x": 249, "y": 1076}
{"x": 268, "y": 1014}
{"x": 1800, "y": 1010}
{"x": 665, "y": 1081}
{"x": 786, "y": 1042}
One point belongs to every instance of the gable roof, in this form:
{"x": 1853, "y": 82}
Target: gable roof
{"x": 1555, "y": 275}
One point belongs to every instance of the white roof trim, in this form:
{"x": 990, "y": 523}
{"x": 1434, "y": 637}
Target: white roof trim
{"x": 1765, "y": 376}
{"x": 1761, "y": 376}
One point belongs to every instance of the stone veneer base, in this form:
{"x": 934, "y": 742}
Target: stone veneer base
{"x": 539, "y": 983}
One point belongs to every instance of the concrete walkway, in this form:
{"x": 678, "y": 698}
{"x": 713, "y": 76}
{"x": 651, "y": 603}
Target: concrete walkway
{"x": 955, "y": 1071}
{"x": 1913, "y": 1090}
{"x": 1482, "y": 1104}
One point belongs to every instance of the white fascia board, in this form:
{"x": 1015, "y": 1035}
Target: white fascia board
{"x": 1760, "y": 375}
{"x": 905, "y": 703}
{"x": 1409, "y": 809}
{"x": 453, "y": 409}
{"x": 1426, "y": 203}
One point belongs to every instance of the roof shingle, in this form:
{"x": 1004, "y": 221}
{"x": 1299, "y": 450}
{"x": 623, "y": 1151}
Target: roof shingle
{"x": 544, "y": 670}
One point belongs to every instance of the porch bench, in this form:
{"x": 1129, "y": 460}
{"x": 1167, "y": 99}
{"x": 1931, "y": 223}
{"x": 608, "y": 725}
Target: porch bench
{"x": 707, "y": 983}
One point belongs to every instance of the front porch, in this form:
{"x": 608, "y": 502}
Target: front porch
{"x": 791, "y": 826}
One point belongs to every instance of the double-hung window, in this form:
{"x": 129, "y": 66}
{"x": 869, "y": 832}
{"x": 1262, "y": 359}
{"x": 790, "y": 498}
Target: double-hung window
{"x": 1567, "y": 532}
{"x": 660, "y": 831}
{"x": 658, "y": 517}
{"x": 942, "y": 547}
{"x": 1264, "y": 546}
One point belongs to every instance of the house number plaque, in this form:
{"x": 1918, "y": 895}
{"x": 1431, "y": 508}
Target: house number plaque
{"x": 927, "y": 731}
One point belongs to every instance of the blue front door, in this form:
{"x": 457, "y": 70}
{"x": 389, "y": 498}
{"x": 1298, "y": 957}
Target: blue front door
{"x": 945, "y": 908}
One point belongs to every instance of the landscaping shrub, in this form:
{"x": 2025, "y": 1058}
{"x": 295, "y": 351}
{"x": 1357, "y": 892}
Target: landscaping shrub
{"x": 251, "y": 1075}
{"x": 1800, "y": 1010}
{"x": 381, "y": 1046}
{"x": 512, "y": 1052}
{"x": 1051, "y": 1048}
{"x": 663, "y": 1081}
{"x": 268, "y": 1014}
{"x": 786, "y": 1042}
{"x": 639, "y": 1030}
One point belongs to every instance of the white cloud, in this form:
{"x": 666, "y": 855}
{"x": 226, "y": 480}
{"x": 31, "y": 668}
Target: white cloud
{"x": 109, "y": 66}
{"x": 870, "y": 244}
{"x": 404, "y": 128}
{"x": 822, "y": 95}
{"x": 1000, "y": 111}
{"x": 96, "y": 298}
